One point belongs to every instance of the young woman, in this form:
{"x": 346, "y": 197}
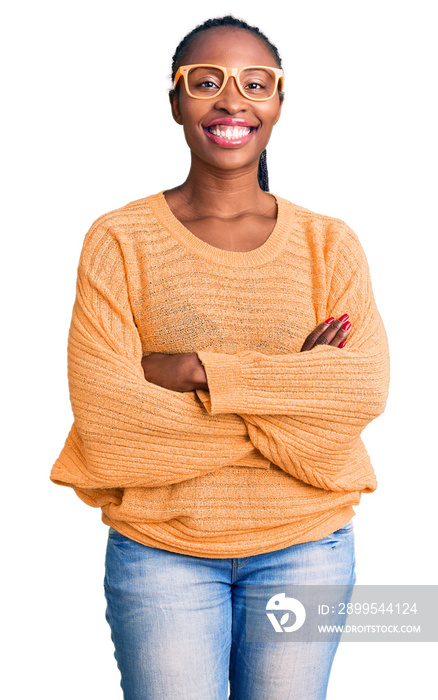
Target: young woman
{"x": 225, "y": 353}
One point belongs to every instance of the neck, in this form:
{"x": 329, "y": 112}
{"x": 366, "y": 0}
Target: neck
{"x": 223, "y": 193}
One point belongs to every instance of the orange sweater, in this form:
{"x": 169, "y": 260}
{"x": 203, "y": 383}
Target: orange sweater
{"x": 271, "y": 455}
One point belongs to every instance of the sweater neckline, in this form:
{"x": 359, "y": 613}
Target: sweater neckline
{"x": 250, "y": 258}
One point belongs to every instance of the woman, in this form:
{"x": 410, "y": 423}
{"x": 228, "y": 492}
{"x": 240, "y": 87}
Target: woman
{"x": 225, "y": 353}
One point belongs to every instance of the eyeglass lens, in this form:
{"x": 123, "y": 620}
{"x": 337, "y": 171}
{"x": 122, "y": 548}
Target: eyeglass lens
{"x": 256, "y": 83}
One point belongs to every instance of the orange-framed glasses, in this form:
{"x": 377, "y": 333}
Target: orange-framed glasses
{"x": 206, "y": 80}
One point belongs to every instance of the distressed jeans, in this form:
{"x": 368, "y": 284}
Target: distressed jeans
{"x": 178, "y": 621}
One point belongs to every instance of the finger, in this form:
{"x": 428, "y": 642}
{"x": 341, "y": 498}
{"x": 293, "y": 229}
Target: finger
{"x": 341, "y": 335}
{"x": 336, "y": 332}
{"x": 315, "y": 334}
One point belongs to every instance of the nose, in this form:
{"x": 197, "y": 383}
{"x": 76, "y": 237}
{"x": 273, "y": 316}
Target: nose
{"x": 231, "y": 98}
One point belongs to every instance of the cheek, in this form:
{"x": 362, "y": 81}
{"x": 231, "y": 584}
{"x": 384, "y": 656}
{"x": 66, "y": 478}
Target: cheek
{"x": 193, "y": 134}
{"x": 269, "y": 114}
{"x": 191, "y": 120}
{"x": 192, "y": 112}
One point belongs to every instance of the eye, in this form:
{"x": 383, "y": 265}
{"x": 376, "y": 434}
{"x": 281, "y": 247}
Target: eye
{"x": 255, "y": 87}
{"x": 207, "y": 84}
{"x": 258, "y": 80}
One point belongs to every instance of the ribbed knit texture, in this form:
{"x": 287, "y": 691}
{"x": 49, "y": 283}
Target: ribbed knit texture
{"x": 271, "y": 455}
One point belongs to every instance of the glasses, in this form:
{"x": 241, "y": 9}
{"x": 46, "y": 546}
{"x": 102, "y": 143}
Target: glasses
{"x": 204, "y": 81}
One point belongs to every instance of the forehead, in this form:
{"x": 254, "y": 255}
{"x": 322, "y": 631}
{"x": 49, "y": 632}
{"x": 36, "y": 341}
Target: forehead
{"x": 229, "y": 46}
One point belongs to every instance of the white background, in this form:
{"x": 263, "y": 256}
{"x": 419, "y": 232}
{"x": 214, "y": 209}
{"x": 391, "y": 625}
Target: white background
{"x": 87, "y": 128}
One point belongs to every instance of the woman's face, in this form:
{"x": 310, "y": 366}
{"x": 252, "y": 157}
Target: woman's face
{"x": 233, "y": 47}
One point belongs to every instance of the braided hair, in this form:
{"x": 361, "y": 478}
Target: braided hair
{"x": 228, "y": 21}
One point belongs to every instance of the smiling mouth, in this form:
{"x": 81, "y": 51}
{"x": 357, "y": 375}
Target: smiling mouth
{"x": 230, "y": 133}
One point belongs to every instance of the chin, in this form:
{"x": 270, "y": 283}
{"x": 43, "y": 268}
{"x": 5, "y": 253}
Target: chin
{"x": 227, "y": 159}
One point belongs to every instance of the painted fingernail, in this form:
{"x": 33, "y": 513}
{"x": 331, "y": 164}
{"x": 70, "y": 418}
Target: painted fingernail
{"x": 329, "y": 320}
{"x": 346, "y": 326}
{"x": 344, "y": 317}
{"x": 341, "y": 345}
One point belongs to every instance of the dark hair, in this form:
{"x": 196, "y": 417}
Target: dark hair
{"x": 228, "y": 21}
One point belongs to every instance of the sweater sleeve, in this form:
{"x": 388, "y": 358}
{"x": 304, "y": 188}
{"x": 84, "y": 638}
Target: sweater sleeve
{"x": 128, "y": 432}
{"x": 305, "y": 411}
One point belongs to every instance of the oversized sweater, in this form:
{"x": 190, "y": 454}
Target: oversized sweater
{"x": 271, "y": 455}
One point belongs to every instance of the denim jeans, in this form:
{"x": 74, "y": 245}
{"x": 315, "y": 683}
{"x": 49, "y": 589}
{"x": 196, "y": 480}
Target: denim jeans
{"x": 178, "y": 621}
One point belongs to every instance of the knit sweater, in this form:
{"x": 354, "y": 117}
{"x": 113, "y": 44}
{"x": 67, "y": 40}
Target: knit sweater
{"x": 271, "y": 455}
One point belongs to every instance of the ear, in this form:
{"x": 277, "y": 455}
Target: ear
{"x": 279, "y": 112}
{"x": 174, "y": 104}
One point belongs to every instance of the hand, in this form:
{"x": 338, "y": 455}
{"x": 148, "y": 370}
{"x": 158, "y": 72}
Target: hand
{"x": 178, "y": 372}
{"x": 330, "y": 332}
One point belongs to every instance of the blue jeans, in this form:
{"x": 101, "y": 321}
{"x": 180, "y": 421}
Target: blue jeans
{"x": 178, "y": 621}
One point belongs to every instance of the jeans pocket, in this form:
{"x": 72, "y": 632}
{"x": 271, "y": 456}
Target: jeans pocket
{"x": 345, "y": 528}
{"x": 115, "y": 534}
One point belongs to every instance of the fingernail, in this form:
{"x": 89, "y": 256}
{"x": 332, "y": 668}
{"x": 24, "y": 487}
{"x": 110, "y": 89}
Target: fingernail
{"x": 329, "y": 320}
{"x": 346, "y": 326}
{"x": 341, "y": 345}
{"x": 344, "y": 317}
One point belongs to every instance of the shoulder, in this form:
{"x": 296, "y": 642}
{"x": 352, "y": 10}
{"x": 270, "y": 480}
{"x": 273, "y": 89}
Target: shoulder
{"x": 331, "y": 234}
{"x": 313, "y": 218}
{"x": 132, "y": 213}
{"x": 117, "y": 228}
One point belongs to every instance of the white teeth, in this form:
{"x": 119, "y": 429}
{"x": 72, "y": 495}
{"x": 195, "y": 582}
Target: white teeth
{"x": 231, "y": 132}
